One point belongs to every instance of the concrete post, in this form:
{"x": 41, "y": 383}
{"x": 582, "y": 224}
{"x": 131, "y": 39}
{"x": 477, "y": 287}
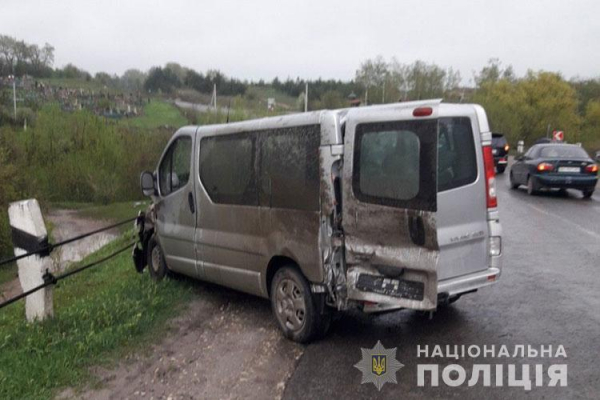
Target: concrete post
{"x": 29, "y": 234}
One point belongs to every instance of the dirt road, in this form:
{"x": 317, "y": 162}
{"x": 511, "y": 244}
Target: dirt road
{"x": 225, "y": 346}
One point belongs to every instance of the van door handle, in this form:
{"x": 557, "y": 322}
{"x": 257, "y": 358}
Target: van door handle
{"x": 416, "y": 229}
{"x": 191, "y": 203}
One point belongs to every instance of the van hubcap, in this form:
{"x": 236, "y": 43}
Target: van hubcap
{"x": 290, "y": 305}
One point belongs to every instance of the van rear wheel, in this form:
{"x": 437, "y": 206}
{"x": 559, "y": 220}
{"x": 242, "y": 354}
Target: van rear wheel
{"x": 295, "y": 307}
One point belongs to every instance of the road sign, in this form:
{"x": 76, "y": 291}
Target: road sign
{"x": 558, "y": 135}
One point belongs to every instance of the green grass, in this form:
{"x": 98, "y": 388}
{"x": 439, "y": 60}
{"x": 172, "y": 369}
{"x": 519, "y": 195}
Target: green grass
{"x": 158, "y": 114}
{"x": 8, "y": 273}
{"x": 101, "y": 314}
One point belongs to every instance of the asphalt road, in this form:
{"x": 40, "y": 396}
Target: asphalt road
{"x": 548, "y": 295}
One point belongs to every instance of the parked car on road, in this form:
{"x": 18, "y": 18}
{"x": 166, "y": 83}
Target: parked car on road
{"x": 500, "y": 149}
{"x": 598, "y": 156}
{"x": 375, "y": 208}
{"x": 553, "y": 165}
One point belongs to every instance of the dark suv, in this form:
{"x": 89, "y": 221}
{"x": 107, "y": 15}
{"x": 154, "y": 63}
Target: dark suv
{"x": 500, "y": 151}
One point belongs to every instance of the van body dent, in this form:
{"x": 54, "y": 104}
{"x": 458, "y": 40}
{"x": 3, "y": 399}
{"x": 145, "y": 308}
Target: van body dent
{"x": 377, "y": 208}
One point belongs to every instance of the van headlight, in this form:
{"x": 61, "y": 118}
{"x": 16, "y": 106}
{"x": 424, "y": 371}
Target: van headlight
{"x": 495, "y": 245}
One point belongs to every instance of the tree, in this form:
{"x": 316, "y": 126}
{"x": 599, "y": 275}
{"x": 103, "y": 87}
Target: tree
{"x": 177, "y": 70}
{"x": 525, "y": 108}
{"x": 331, "y": 100}
{"x": 372, "y": 73}
{"x": 133, "y": 79}
{"x": 161, "y": 79}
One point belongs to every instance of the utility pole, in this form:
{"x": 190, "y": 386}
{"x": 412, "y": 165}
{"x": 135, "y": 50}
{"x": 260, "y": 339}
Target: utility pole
{"x": 14, "y": 64}
{"x": 214, "y": 96}
{"x": 306, "y": 97}
{"x": 383, "y": 94}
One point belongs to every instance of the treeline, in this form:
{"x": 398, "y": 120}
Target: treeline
{"x": 532, "y": 106}
{"x": 24, "y": 58}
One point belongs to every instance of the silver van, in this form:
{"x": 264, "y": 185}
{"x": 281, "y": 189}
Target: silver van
{"x": 376, "y": 208}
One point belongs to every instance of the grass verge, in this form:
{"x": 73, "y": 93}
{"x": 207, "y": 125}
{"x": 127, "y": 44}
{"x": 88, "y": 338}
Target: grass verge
{"x": 157, "y": 114}
{"x": 100, "y": 315}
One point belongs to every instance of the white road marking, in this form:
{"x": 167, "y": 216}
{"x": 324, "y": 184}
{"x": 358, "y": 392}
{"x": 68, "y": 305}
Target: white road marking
{"x": 565, "y": 220}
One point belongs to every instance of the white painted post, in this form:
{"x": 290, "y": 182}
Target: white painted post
{"x": 26, "y": 216}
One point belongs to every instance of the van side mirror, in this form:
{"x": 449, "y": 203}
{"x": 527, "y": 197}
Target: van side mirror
{"x": 147, "y": 183}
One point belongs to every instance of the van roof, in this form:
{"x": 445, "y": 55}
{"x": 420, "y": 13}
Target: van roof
{"x": 315, "y": 117}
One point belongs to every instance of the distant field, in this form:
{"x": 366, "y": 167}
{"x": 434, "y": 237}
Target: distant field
{"x": 264, "y": 93}
{"x": 158, "y": 114}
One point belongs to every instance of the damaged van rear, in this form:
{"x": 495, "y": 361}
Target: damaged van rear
{"x": 375, "y": 208}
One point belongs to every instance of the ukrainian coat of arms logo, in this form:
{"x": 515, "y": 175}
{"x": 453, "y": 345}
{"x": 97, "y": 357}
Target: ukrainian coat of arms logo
{"x": 378, "y": 365}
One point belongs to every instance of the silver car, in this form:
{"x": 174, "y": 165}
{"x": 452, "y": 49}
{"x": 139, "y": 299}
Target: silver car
{"x": 376, "y": 208}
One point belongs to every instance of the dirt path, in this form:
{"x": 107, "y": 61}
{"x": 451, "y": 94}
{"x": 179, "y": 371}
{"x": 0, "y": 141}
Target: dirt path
{"x": 67, "y": 224}
{"x": 225, "y": 346}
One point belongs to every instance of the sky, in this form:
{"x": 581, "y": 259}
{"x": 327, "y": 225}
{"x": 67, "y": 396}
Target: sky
{"x": 261, "y": 39}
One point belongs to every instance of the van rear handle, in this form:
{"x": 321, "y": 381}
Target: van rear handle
{"x": 191, "y": 203}
{"x": 416, "y": 229}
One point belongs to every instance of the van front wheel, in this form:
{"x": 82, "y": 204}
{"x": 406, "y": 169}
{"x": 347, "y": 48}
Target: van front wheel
{"x": 157, "y": 266}
{"x": 295, "y": 307}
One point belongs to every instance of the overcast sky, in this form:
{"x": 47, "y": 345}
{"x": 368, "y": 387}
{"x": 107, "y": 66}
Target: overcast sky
{"x": 266, "y": 38}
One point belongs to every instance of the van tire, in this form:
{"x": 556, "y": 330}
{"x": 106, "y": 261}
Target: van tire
{"x": 587, "y": 194}
{"x": 295, "y": 308}
{"x": 500, "y": 169}
{"x": 157, "y": 265}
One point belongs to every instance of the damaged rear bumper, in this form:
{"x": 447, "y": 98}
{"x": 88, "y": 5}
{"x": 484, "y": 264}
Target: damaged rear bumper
{"x": 410, "y": 290}
{"x": 385, "y": 293}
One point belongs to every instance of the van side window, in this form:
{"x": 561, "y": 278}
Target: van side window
{"x": 457, "y": 165}
{"x": 289, "y": 168}
{"x": 227, "y": 168}
{"x": 174, "y": 169}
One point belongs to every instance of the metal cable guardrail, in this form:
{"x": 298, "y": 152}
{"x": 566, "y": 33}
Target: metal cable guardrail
{"x": 48, "y": 277}
{"x": 48, "y": 248}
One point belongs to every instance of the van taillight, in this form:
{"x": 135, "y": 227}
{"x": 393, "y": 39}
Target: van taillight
{"x": 490, "y": 177}
{"x": 506, "y": 148}
{"x": 422, "y": 112}
{"x": 592, "y": 168}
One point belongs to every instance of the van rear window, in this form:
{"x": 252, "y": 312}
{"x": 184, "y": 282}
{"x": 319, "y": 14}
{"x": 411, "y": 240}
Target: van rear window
{"x": 457, "y": 163}
{"x": 394, "y": 162}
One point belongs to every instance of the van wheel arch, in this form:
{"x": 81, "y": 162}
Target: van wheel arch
{"x": 276, "y": 263}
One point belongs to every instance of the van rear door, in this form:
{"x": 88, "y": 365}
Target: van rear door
{"x": 389, "y": 204}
